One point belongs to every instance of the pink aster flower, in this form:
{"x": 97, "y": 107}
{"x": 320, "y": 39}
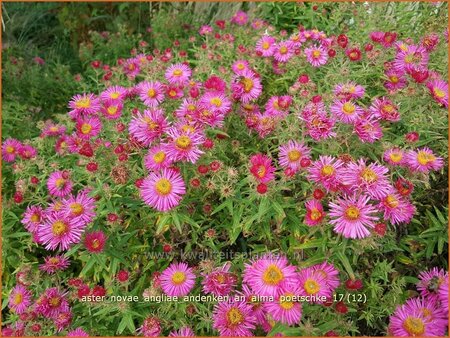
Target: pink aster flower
{"x": 84, "y": 104}
{"x": 59, "y": 184}
{"x": 184, "y": 331}
{"x": 370, "y": 179}
{"x": 239, "y": 66}
{"x": 320, "y": 126}
{"x": 234, "y": 319}
{"x": 423, "y": 160}
{"x": 396, "y": 209}
{"x": 384, "y": 108}
{"x": 95, "y": 241}
{"x": 329, "y": 272}
{"x": 368, "y": 129}
{"x": 395, "y": 80}
{"x": 52, "y": 129}
{"x": 52, "y": 302}
{"x": 253, "y": 300}
{"x": 78, "y": 332}
{"x": 112, "y": 109}
{"x": 58, "y": 231}
{"x": 27, "y": 151}
{"x": 266, "y": 46}
{"x": 151, "y": 93}
{"x": 430, "y": 282}
{"x": 292, "y": 153}
{"x": 205, "y": 29}
{"x": 261, "y": 168}
{"x": 285, "y": 308}
{"x": 208, "y": 116}
{"x": 352, "y": 215}
{"x": 177, "y": 280}
{"x": 151, "y": 327}
{"x": 439, "y": 90}
{"x": 216, "y": 102}
{"x": 348, "y": 91}
{"x": 10, "y": 149}
{"x": 157, "y": 158}
{"x": 346, "y": 111}
{"x": 327, "y": 171}
{"x": 278, "y": 106}
{"x": 178, "y": 74}
{"x": 88, "y": 127}
{"x": 19, "y": 299}
{"x": 33, "y": 217}
{"x": 148, "y": 126}
{"x": 80, "y": 208}
{"x": 240, "y": 18}
{"x": 114, "y": 93}
{"x": 215, "y": 83}
{"x": 314, "y": 213}
{"x": 312, "y": 283}
{"x": 395, "y": 156}
{"x": 269, "y": 274}
{"x": 316, "y": 56}
{"x": 414, "y": 56}
{"x": 53, "y": 264}
{"x": 164, "y": 190}
{"x": 184, "y": 144}
{"x": 418, "y": 317}
{"x": 283, "y": 51}
{"x": 131, "y": 68}
{"x": 246, "y": 87}
{"x": 220, "y": 281}
{"x": 187, "y": 110}
{"x": 174, "y": 92}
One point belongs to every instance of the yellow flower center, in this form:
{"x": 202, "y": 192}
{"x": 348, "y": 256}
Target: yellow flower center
{"x": 163, "y": 186}
{"x": 294, "y": 155}
{"x": 114, "y": 95}
{"x": 348, "y": 108}
{"x": 59, "y": 228}
{"x": 76, "y": 208}
{"x": 394, "y": 79}
{"x": 240, "y": 66}
{"x": 83, "y": 103}
{"x": 216, "y": 101}
{"x": 352, "y": 213}
{"x": 248, "y": 84}
{"x": 316, "y": 214}
{"x": 388, "y": 108}
{"x": 10, "y": 149}
{"x": 391, "y": 201}
{"x": 265, "y": 45}
{"x": 409, "y": 58}
{"x": 424, "y": 158}
{"x": 112, "y": 110}
{"x": 188, "y": 128}
{"x": 439, "y": 93}
{"x": 177, "y": 72}
{"x": 396, "y": 157}
{"x": 151, "y": 93}
{"x": 53, "y": 128}
{"x": 159, "y": 157}
{"x": 234, "y": 317}
{"x": 172, "y": 93}
{"x": 18, "y": 298}
{"x": 178, "y": 278}
{"x": 55, "y": 301}
{"x": 183, "y": 142}
{"x": 286, "y": 303}
{"x": 283, "y": 50}
{"x": 273, "y": 275}
{"x": 414, "y": 326}
{"x": 151, "y": 125}
{"x": 60, "y": 182}
{"x": 54, "y": 260}
{"x": 311, "y": 286}
{"x": 316, "y": 54}
{"x": 35, "y": 218}
{"x": 86, "y": 128}
{"x": 95, "y": 243}
{"x": 191, "y": 107}
{"x": 369, "y": 175}
{"x": 261, "y": 171}
{"x": 327, "y": 170}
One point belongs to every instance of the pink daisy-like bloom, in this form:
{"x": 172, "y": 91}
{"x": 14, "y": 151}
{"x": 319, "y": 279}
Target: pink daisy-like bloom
{"x": 396, "y": 209}
{"x": 53, "y": 264}
{"x": 131, "y": 67}
{"x": 414, "y": 56}
{"x": 58, "y": 185}
{"x": 80, "y": 208}
{"x": 348, "y": 91}
{"x": 240, "y": 18}
{"x": 187, "y": 110}
{"x": 266, "y": 46}
{"x": 174, "y": 92}
{"x": 205, "y": 29}
{"x": 88, "y": 127}
{"x": 84, "y": 104}
{"x": 346, "y": 111}
{"x": 112, "y": 109}
{"x": 329, "y": 272}
{"x": 370, "y": 179}
{"x": 423, "y": 160}
{"x": 269, "y": 274}
{"x": 368, "y": 129}
{"x": 52, "y": 302}
{"x": 73, "y": 143}
{"x": 178, "y": 74}
{"x": 78, "y": 332}
{"x": 19, "y": 299}
{"x": 51, "y": 129}
{"x": 246, "y": 87}
{"x": 177, "y": 280}
{"x": 283, "y": 51}
{"x": 216, "y": 102}
{"x": 184, "y": 331}
{"x": 148, "y": 126}
{"x": 114, "y": 93}
{"x": 184, "y": 144}
{"x": 418, "y": 317}
{"x": 395, "y": 80}
{"x": 314, "y": 213}
{"x": 164, "y": 190}
{"x": 312, "y": 283}
{"x": 395, "y": 156}
{"x": 10, "y": 149}
{"x": 439, "y": 90}
{"x": 239, "y": 66}
{"x": 430, "y": 282}
{"x": 157, "y": 158}
{"x": 32, "y": 218}
{"x": 285, "y": 308}
{"x": 233, "y": 319}
{"x": 27, "y": 151}
{"x": 58, "y": 231}
{"x": 151, "y": 327}
{"x": 320, "y": 127}
{"x": 352, "y": 215}
{"x": 209, "y": 117}
{"x": 151, "y": 93}
{"x": 326, "y": 171}
{"x": 278, "y": 106}
{"x": 254, "y": 301}
{"x": 261, "y": 168}
{"x": 95, "y": 241}
{"x": 384, "y": 108}
{"x": 220, "y": 281}
{"x": 316, "y": 56}
{"x": 292, "y": 153}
